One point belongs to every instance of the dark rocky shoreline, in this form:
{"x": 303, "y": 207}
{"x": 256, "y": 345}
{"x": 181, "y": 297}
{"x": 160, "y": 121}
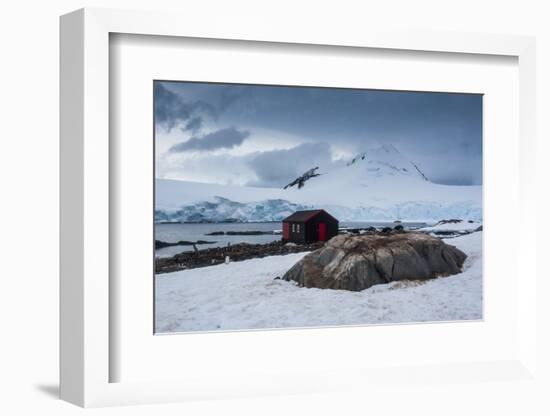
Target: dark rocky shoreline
{"x": 163, "y": 244}
{"x": 241, "y": 233}
{"x": 244, "y": 251}
{"x": 236, "y": 252}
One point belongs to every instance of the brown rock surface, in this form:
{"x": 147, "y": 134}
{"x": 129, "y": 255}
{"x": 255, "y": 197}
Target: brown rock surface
{"x": 357, "y": 262}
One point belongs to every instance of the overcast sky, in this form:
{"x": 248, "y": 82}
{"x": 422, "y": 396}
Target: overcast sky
{"x": 266, "y": 136}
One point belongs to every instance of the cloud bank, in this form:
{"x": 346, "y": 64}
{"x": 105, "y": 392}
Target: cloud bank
{"x": 220, "y": 139}
{"x": 278, "y": 167}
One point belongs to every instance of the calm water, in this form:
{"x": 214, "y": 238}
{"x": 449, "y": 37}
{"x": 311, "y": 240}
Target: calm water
{"x": 193, "y": 232}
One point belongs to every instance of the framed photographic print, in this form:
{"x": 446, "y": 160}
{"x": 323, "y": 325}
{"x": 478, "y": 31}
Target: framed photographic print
{"x": 289, "y": 206}
{"x": 237, "y": 209}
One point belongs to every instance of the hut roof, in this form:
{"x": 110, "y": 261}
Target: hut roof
{"x": 304, "y": 216}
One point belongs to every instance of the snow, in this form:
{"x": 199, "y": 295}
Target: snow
{"x": 378, "y": 185}
{"x": 244, "y": 295}
{"x": 461, "y": 226}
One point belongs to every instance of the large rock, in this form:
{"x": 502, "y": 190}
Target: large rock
{"x": 356, "y": 262}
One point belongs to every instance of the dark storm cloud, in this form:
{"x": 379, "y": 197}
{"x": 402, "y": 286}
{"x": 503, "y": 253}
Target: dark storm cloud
{"x": 193, "y": 125}
{"x": 276, "y": 168}
{"x": 220, "y": 139}
{"x": 171, "y": 109}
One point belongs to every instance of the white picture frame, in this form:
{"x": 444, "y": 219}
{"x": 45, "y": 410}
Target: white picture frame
{"x": 86, "y": 304}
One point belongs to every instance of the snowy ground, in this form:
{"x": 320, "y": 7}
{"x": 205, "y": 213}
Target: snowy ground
{"x": 243, "y": 295}
{"x": 462, "y": 226}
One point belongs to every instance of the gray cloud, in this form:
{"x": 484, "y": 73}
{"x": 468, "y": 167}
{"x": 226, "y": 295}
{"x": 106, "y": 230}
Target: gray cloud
{"x": 220, "y": 139}
{"x": 278, "y": 167}
{"x": 193, "y": 125}
{"x": 454, "y": 169}
{"x": 440, "y": 132}
{"x": 171, "y": 109}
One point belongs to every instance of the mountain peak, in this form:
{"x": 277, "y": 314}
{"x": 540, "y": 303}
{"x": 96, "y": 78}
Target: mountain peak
{"x": 376, "y": 164}
{"x": 386, "y": 160}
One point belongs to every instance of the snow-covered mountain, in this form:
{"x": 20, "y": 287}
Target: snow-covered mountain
{"x": 377, "y": 185}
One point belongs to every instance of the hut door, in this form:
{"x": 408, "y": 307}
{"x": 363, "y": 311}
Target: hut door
{"x": 286, "y": 231}
{"x": 322, "y": 231}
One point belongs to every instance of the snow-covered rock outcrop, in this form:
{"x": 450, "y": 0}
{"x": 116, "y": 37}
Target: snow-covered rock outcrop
{"x": 302, "y": 179}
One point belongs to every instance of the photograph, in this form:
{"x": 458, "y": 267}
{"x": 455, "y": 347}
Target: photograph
{"x": 293, "y": 206}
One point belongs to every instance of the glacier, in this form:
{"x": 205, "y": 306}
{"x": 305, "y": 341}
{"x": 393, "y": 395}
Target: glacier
{"x": 221, "y": 209}
{"x": 225, "y": 210}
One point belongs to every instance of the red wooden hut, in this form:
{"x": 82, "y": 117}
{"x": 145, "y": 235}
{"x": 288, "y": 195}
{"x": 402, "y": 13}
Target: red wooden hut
{"x": 304, "y": 227}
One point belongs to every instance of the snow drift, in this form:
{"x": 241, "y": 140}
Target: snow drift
{"x": 244, "y": 295}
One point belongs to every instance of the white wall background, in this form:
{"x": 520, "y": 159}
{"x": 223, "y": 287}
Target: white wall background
{"x": 29, "y": 57}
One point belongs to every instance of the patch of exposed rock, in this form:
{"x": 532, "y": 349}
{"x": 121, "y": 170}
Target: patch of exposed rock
{"x": 357, "y": 262}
